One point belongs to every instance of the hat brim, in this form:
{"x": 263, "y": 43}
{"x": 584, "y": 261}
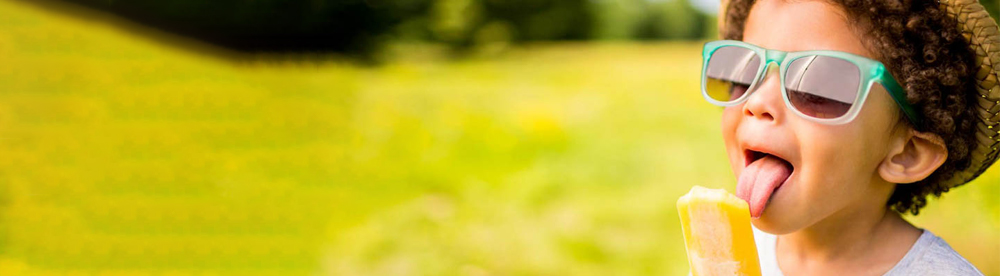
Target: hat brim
{"x": 983, "y": 36}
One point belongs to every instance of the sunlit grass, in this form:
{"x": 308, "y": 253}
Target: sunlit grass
{"x": 122, "y": 155}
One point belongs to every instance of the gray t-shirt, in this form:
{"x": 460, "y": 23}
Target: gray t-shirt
{"x": 930, "y": 255}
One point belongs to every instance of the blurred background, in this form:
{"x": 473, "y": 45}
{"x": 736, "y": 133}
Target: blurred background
{"x": 377, "y": 137}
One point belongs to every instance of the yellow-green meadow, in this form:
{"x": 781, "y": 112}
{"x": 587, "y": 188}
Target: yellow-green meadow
{"x": 124, "y": 155}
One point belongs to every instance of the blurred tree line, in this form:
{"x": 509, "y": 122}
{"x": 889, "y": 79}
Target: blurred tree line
{"x": 359, "y": 26}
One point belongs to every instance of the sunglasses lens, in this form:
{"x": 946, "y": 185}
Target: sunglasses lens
{"x": 730, "y": 72}
{"x": 821, "y": 86}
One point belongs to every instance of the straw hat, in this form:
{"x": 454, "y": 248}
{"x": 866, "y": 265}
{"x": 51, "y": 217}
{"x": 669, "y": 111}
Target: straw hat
{"x": 983, "y": 36}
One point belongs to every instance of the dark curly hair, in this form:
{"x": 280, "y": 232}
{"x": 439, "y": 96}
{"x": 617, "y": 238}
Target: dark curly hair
{"x": 924, "y": 49}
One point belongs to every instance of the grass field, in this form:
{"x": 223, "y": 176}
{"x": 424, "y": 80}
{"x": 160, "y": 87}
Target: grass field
{"x": 124, "y": 155}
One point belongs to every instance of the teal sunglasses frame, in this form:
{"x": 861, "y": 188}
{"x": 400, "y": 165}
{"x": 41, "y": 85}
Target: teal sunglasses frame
{"x": 871, "y": 71}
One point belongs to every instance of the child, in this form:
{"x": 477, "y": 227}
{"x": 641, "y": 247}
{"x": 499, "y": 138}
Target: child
{"x": 842, "y": 115}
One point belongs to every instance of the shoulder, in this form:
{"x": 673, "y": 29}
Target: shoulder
{"x": 931, "y": 255}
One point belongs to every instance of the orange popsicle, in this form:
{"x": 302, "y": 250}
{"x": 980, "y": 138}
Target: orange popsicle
{"x": 717, "y": 233}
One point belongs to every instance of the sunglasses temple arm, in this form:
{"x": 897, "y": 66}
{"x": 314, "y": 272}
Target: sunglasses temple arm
{"x": 896, "y": 91}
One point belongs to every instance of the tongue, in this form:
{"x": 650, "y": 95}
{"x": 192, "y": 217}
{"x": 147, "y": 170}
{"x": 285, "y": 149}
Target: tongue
{"x": 759, "y": 179}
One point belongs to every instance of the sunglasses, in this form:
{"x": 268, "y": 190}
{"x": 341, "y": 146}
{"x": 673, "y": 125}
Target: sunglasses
{"x": 827, "y": 87}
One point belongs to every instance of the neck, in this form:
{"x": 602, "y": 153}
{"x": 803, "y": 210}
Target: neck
{"x": 847, "y": 234}
{"x": 868, "y": 234}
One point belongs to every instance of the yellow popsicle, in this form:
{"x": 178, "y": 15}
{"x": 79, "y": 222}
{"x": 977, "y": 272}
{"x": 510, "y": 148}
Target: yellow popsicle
{"x": 717, "y": 233}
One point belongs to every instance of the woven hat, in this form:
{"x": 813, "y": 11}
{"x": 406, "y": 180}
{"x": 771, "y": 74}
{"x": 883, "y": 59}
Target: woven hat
{"x": 983, "y": 36}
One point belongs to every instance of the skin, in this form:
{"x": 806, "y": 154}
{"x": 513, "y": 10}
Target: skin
{"x": 831, "y": 214}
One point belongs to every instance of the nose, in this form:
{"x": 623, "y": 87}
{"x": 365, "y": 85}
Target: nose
{"x": 765, "y": 101}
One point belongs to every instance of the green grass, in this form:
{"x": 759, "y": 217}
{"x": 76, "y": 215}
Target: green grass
{"x": 124, "y": 155}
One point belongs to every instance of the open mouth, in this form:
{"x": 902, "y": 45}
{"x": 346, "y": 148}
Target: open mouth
{"x": 763, "y": 173}
{"x": 752, "y": 155}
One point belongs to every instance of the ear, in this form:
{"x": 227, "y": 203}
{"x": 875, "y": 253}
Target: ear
{"x": 914, "y": 157}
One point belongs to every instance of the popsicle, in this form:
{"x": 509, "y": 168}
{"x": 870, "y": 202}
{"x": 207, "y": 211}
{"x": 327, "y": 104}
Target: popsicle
{"x": 716, "y": 226}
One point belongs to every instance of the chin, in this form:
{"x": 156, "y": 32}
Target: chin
{"x": 781, "y": 217}
{"x": 773, "y": 224}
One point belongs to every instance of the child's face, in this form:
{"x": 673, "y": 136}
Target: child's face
{"x": 833, "y": 167}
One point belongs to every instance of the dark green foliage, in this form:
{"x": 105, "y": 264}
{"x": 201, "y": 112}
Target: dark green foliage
{"x": 270, "y": 25}
{"x": 543, "y": 19}
{"x": 359, "y": 26}
{"x": 993, "y": 7}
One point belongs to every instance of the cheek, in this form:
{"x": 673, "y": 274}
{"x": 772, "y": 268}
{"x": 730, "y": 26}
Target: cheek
{"x": 730, "y": 123}
{"x": 846, "y": 154}
{"x": 838, "y": 163}
{"x": 830, "y": 150}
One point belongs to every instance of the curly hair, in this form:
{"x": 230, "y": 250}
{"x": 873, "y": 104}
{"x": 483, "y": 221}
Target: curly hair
{"x": 923, "y": 48}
